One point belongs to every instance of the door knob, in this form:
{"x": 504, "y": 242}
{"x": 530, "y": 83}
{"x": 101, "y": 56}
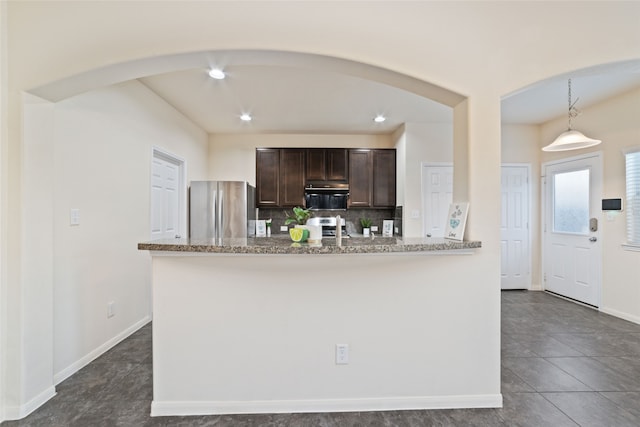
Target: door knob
{"x": 593, "y": 239}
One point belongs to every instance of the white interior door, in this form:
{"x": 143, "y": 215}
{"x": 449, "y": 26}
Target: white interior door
{"x": 572, "y": 250}
{"x": 437, "y": 185}
{"x": 514, "y": 228}
{"x": 167, "y": 189}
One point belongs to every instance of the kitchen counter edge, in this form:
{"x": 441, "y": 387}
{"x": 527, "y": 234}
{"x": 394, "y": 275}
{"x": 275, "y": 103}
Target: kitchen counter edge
{"x": 279, "y": 246}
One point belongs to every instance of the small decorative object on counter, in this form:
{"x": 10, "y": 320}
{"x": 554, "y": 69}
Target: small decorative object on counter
{"x": 261, "y": 228}
{"x": 456, "y": 221}
{"x": 299, "y": 217}
{"x": 387, "y": 228}
{"x": 268, "y": 224}
{"x": 298, "y": 234}
{"x": 366, "y": 226}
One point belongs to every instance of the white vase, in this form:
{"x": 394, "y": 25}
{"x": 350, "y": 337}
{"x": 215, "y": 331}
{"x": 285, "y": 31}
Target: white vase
{"x": 315, "y": 233}
{"x": 365, "y": 231}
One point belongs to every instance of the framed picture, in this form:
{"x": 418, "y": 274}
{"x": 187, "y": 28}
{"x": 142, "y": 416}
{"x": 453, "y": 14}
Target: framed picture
{"x": 387, "y": 228}
{"x": 261, "y": 228}
{"x": 456, "y": 221}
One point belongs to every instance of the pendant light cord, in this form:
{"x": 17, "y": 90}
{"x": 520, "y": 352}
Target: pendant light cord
{"x": 573, "y": 111}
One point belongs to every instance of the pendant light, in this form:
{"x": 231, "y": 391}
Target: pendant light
{"x": 571, "y": 139}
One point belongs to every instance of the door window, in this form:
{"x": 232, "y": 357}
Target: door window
{"x": 571, "y": 202}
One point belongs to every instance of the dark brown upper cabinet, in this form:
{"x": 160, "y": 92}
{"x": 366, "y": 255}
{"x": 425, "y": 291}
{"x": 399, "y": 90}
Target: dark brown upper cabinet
{"x": 268, "y": 177}
{"x": 282, "y": 173}
{"x": 292, "y": 177}
{"x": 280, "y": 177}
{"x": 372, "y": 178}
{"x": 327, "y": 165}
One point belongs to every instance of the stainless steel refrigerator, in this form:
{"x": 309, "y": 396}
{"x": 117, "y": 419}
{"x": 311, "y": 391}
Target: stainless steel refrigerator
{"x": 221, "y": 210}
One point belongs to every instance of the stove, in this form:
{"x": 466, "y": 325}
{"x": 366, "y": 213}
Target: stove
{"x": 329, "y": 224}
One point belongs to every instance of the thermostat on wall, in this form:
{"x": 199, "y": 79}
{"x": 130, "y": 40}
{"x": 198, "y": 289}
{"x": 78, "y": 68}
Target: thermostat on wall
{"x": 611, "y": 204}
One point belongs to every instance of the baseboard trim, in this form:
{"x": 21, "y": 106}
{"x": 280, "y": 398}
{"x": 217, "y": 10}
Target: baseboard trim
{"x": 19, "y": 412}
{"x": 621, "y": 314}
{"x": 94, "y": 354}
{"x": 174, "y": 408}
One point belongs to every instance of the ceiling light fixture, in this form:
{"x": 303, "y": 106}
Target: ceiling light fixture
{"x": 217, "y": 74}
{"x": 245, "y": 117}
{"x": 571, "y": 139}
{"x": 379, "y": 118}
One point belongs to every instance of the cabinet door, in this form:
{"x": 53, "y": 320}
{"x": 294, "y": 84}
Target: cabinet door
{"x": 267, "y": 177}
{"x": 292, "y": 177}
{"x": 337, "y": 164}
{"x": 316, "y": 165}
{"x": 360, "y": 178}
{"x": 384, "y": 178}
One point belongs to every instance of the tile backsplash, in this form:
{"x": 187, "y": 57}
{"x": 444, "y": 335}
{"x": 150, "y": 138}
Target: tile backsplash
{"x": 352, "y": 217}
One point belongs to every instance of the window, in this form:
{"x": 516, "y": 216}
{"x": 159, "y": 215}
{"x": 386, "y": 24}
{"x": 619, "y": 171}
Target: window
{"x": 571, "y": 202}
{"x": 632, "y": 161}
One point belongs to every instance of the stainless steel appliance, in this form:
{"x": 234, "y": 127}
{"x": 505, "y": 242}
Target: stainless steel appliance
{"x": 329, "y": 225}
{"x": 221, "y": 210}
{"x": 327, "y": 197}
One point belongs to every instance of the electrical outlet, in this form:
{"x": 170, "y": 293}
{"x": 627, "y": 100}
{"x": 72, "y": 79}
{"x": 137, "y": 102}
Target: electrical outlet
{"x": 284, "y": 228}
{"x": 342, "y": 354}
{"x": 111, "y": 307}
{"x": 374, "y": 228}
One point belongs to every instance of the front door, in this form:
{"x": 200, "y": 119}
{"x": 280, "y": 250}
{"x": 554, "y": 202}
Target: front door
{"x": 572, "y": 250}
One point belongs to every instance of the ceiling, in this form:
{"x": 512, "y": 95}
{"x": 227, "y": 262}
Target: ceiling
{"x": 287, "y": 99}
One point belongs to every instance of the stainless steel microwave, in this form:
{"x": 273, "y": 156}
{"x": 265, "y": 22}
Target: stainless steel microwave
{"x": 326, "y": 198}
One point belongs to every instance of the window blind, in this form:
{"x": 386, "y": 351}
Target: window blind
{"x": 632, "y": 161}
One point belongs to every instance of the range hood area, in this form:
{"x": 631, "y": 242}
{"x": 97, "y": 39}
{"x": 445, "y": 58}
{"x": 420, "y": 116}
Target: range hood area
{"x": 330, "y": 196}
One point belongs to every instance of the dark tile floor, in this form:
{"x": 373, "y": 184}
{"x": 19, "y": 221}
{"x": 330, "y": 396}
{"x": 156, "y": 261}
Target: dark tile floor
{"x": 562, "y": 365}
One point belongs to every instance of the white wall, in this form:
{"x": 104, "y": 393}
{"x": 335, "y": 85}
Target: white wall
{"x": 615, "y": 122}
{"x": 233, "y": 156}
{"x": 101, "y": 165}
{"x": 423, "y": 143}
{"x": 417, "y": 339}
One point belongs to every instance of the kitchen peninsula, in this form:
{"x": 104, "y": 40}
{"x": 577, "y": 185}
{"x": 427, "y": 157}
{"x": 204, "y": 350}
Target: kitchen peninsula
{"x": 262, "y": 325}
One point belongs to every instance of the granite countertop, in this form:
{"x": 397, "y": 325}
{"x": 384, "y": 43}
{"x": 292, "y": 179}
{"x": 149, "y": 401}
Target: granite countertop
{"x": 282, "y": 244}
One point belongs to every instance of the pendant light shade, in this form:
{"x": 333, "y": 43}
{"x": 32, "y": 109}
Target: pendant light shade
{"x": 571, "y": 139}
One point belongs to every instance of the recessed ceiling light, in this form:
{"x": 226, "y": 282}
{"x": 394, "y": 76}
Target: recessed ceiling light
{"x": 217, "y": 74}
{"x": 245, "y": 117}
{"x": 379, "y": 118}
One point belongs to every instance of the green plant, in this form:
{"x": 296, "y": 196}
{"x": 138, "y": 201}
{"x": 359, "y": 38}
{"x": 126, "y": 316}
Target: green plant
{"x": 365, "y": 222}
{"x": 300, "y": 216}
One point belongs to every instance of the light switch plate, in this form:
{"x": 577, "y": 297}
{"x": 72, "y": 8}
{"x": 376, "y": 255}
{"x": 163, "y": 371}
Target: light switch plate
{"x": 74, "y": 217}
